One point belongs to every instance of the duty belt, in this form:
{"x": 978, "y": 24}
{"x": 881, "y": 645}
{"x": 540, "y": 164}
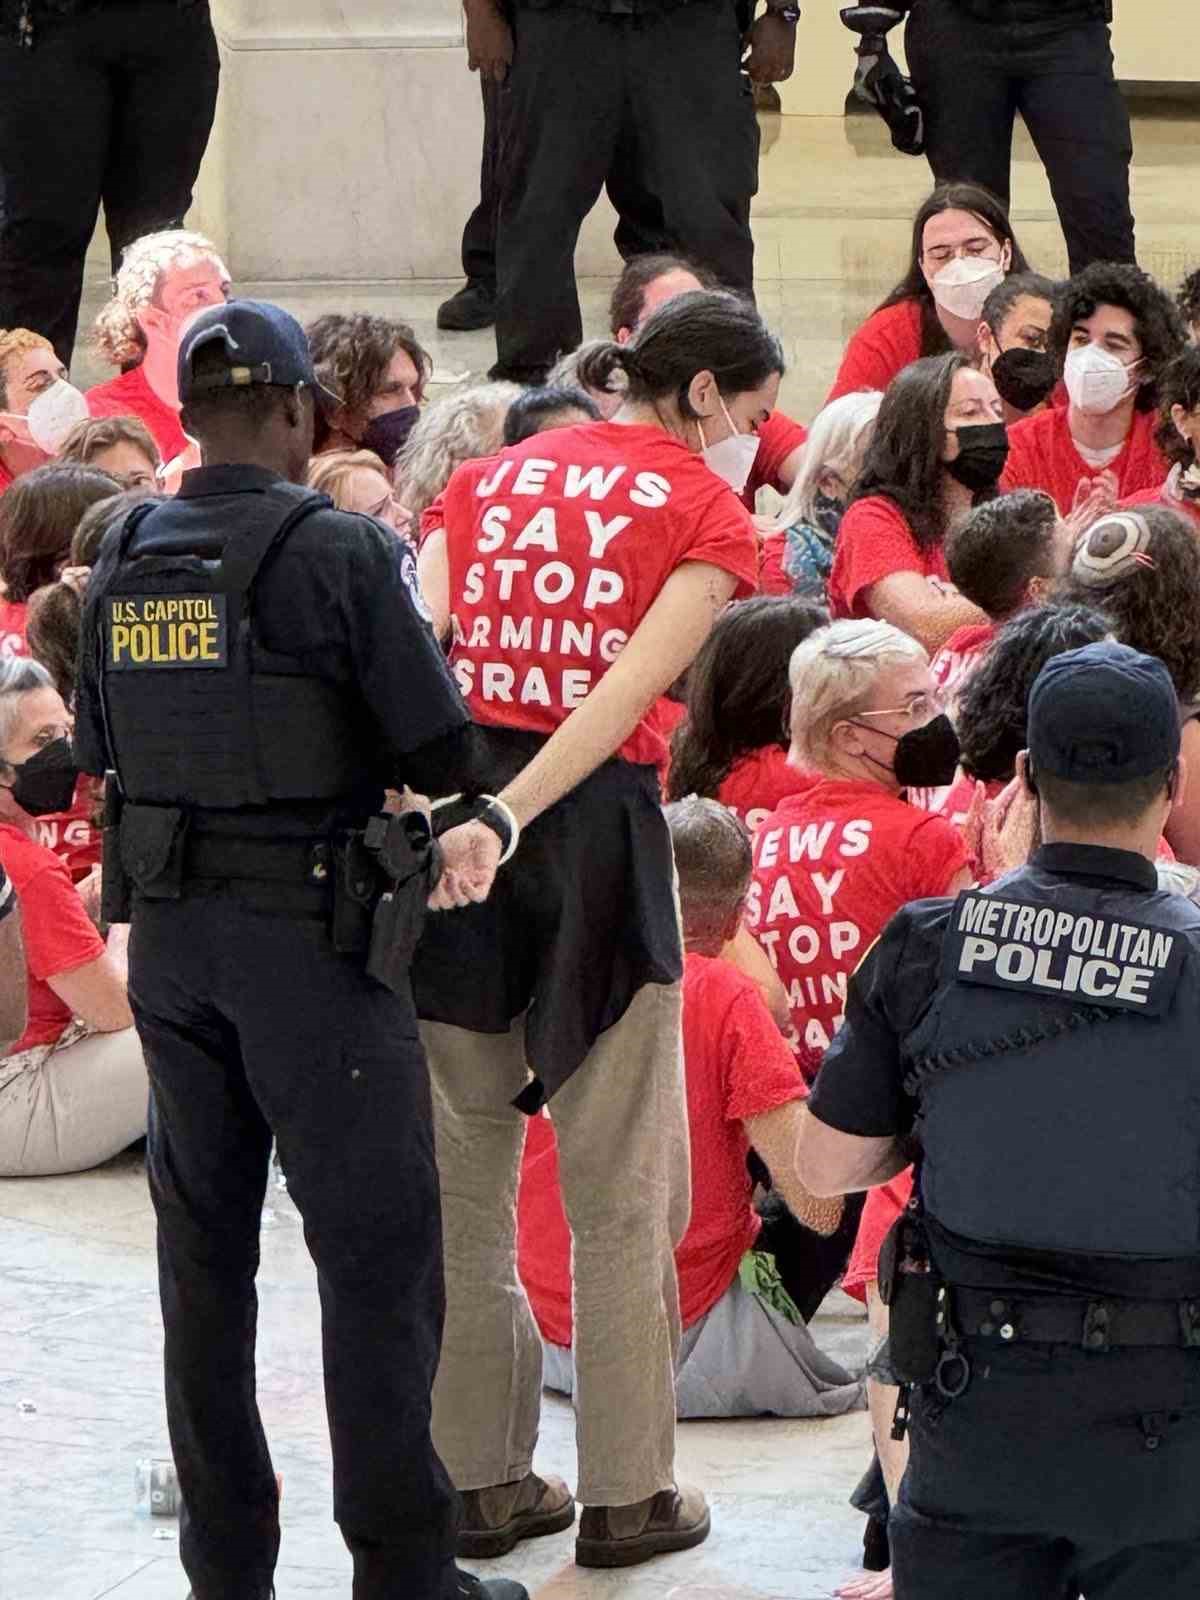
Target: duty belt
{"x": 1093, "y": 1325}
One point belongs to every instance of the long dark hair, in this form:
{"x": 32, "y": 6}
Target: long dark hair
{"x": 38, "y": 518}
{"x": 991, "y": 717}
{"x": 1178, "y": 386}
{"x": 904, "y": 458}
{"x": 738, "y": 694}
{"x": 981, "y": 203}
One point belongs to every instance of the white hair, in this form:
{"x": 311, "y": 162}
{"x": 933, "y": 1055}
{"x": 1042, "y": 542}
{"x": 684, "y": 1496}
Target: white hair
{"x": 462, "y": 426}
{"x": 832, "y": 675}
{"x": 117, "y": 334}
{"x": 837, "y": 441}
{"x": 18, "y": 675}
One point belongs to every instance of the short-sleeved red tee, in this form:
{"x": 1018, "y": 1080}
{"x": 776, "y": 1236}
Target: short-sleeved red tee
{"x": 736, "y": 1066}
{"x": 72, "y": 835}
{"x": 888, "y": 341}
{"x": 13, "y": 617}
{"x": 130, "y": 395}
{"x": 875, "y": 541}
{"x": 832, "y": 865}
{"x": 1162, "y": 496}
{"x": 1042, "y": 455}
{"x": 557, "y": 549}
{"x": 778, "y": 437}
{"x": 961, "y": 654}
{"x": 758, "y": 781}
{"x": 59, "y": 937}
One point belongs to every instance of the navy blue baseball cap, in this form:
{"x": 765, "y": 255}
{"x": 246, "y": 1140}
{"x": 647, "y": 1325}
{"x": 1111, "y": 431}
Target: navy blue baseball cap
{"x": 262, "y": 344}
{"x": 1103, "y": 714}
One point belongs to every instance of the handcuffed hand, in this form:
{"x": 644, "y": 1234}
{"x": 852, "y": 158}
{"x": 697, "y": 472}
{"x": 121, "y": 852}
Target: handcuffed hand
{"x": 470, "y": 856}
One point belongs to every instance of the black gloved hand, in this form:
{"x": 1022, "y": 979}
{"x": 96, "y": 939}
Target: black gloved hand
{"x": 879, "y": 81}
{"x": 870, "y": 20}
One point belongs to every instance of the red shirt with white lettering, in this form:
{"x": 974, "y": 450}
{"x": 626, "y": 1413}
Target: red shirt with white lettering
{"x": 13, "y": 617}
{"x": 778, "y": 437}
{"x": 130, "y": 395}
{"x": 758, "y": 781}
{"x": 832, "y": 865}
{"x": 736, "y": 1065}
{"x": 888, "y": 341}
{"x": 59, "y": 936}
{"x": 557, "y": 549}
{"x": 873, "y": 542}
{"x": 1042, "y": 455}
{"x": 961, "y": 654}
{"x": 73, "y": 835}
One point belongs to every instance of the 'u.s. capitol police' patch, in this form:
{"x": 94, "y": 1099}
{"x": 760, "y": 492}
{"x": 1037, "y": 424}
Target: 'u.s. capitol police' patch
{"x": 155, "y": 631}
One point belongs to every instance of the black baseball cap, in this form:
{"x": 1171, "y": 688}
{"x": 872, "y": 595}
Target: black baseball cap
{"x": 1103, "y": 714}
{"x": 264, "y": 344}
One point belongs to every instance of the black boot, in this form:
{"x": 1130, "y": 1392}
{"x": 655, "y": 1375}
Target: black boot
{"x": 473, "y": 307}
{"x": 877, "y": 1549}
{"x": 473, "y": 1588}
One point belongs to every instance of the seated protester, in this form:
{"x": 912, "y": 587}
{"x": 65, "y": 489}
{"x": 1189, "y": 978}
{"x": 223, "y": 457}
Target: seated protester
{"x": 1008, "y": 554}
{"x": 121, "y": 446}
{"x": 936, "y": 451}
{"x": 380, "y": 370}
{"x": 1178, "y": 438}
{"x": 649, "y": 281}
{"x": 73, "y": 1088}
{"x": 464, "y": 426}
{"x": 564, "y": 374}
{"x": 14, "y": 1005}
{"x": 1188, "y": 301}
{"x": 797, "y": 549}
{"x": 1114, "y": 334}
{"x": 990, "y": 714}
{"x": 38, "y": 518}
{"x": 165, "y": 279}
{"x": 1141, "y": 567}
{"x": 963, "y": 246}
{"x": 746, "y": 1350}
{"x": 1013, "y": 335}
{"x": 357, "y": 480}
{"x": 836, "y": 860}
{"x": 38, "y": 406}
{"x": 549, "y": 406}
{"x": 734, "y": 745}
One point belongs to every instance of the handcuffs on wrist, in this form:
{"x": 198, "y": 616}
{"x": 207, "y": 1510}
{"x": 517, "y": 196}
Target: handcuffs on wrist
{"x": 454, "y": 809}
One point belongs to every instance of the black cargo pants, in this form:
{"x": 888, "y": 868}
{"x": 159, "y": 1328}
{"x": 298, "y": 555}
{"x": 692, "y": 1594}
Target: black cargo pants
{"x": 666, "y": 90}
{"x": 973, "y": 77}
{"x": 253, "y": 1026}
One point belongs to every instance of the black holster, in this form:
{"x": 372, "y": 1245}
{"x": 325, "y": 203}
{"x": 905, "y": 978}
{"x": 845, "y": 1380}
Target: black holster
{"x": 116, "y": 890}
{"x": 409, "y": 861}
{"x": 909, "y": 1286}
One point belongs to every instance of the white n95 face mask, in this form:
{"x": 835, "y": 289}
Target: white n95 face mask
{"x": 732, "y": 459}
{"x": 1096, "y": 380}
{"x": 963, "y": 285}
{"x": 52, "y": 416}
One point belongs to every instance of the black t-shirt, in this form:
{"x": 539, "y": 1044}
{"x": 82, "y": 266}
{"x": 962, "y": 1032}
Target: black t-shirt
{"x": 339, "y": 596}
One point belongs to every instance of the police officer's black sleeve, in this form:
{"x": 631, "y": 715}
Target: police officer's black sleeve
{"x": 859, "y": 1088}
{"x": 89, "y": 741}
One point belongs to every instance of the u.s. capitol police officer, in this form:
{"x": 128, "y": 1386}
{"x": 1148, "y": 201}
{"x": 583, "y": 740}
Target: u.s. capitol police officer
{"x": 1041, "y": 1040}
{"x": 255, "y": 670}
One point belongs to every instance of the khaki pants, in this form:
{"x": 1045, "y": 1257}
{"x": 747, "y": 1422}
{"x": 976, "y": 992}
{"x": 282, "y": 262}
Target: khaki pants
{"x": 621, "y": 1125}
{"x": 82, "y": 1105}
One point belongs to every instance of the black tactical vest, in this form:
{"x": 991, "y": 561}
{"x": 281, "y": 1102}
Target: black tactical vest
{"x": 1057, "y": 1070}
{"x": 197, "y": 712}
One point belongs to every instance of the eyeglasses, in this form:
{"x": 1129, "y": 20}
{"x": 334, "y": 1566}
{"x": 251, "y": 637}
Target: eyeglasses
{"x": 136, "y": 480}
{"x": 920, "y": 709}
{"x": 942, "y": 255}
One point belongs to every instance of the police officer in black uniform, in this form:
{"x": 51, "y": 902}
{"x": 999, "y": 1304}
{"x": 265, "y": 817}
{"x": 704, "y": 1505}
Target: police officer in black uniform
{"x": 1037, "y": 1041}
{"x": 255, "y": 669}
{"x": 976, "y": 63}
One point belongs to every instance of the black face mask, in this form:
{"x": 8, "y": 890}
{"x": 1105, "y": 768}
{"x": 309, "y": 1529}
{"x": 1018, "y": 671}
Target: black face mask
{"x": 926, "y": 758}
{"x": 982, "y": 453}
{"x": 1024, "y": 378}
{"x": 46, "y": 782}
{"x": 387, "y": 435}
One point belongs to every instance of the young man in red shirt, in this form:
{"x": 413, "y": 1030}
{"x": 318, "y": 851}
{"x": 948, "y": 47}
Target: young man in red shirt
{"x": 1114, "y": 333}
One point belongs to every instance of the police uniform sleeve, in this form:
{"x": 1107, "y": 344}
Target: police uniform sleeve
{"x": 859, "y": 1089}
{"x": 89, "y": 740}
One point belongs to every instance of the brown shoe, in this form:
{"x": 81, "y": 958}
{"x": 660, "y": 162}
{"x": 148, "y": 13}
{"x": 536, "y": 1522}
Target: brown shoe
{"x": 496, "y": 1519}
{"x": 625, "y": 1536}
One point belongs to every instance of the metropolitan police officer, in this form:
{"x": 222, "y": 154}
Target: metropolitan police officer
{"x": 255, "y": 669}
{"x": 1039, "y": 1037}
{"x": 974, "y": 65}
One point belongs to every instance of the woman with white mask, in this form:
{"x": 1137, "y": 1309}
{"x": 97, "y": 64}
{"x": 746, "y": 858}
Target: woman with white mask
{"x": 38, "y": 407}
{"x": 963, "y": 247}
{"x": 1113, "y": 335}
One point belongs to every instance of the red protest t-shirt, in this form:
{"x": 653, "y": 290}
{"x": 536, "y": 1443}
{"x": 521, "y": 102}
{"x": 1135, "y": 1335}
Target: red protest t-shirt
{"x": 557, "y": 549}
{"x": 1042, "y": 455}
{"x": 72, "y": 835}
{"x": 961, "y": 654}
{"x": 1162, "y": 496}
{"x": 736, "y": 1066}
{"x": 758, "y": 781}
{"x": 883, "y": 1206}
{"x": 130, "y": 395}
{"x": 888, "y": 341}
{"x": 778, "y": 437}
{"x": 832, "y": 865}
{"x": 13, "y": 617}
{"x": 59, "y": 936}
{"x": 873, "y": 542}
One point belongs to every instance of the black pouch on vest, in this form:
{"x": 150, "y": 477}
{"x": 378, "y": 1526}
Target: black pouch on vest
{"x": 355, "y": 893}
{"x": 152, "y": 840}
{"x": 909, "y": 1287}
{"x": 116, "y": 891}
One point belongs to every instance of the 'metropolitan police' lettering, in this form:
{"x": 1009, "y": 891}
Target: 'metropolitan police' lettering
{"x": 1072, "y": 955}
{"x": 155, "y": 631}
